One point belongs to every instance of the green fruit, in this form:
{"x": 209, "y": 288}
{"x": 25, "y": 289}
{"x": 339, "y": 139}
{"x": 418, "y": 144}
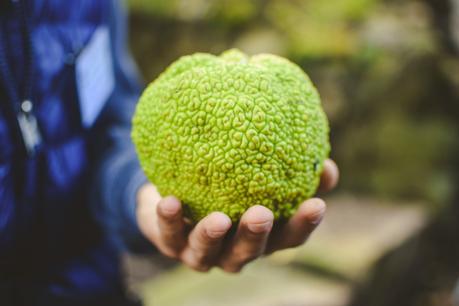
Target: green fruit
{"x": 223, "y": 133}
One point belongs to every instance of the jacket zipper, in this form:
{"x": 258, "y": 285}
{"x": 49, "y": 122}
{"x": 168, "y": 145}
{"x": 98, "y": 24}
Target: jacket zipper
{"x": 20, "y": 98}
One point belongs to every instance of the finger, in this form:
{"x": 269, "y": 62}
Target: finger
{"x": 171, "y": 226}
{"x": 250, "y": 239}
{"x": 205, "y": 241}
{"x": 329, "y": 177}
{"x": 297, "y": 230}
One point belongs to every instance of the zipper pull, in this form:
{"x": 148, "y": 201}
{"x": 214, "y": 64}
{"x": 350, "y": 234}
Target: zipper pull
{"x": 31, "y": 135}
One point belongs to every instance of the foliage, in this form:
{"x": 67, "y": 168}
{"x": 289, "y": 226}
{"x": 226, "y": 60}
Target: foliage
{"x": 377, "y": 65}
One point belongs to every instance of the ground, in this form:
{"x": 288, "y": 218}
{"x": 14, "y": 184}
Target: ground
{"x": 354, "y": 235}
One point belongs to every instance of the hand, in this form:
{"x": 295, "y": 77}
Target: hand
{"x": 204, "y": 246}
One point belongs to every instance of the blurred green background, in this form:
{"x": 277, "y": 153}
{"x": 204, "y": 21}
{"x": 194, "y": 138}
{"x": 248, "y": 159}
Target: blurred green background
{"x": 389, "y": 77}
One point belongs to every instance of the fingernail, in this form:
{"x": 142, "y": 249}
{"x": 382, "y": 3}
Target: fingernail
{"x": 215, "y": 234}
{"x": 316, "y": 211}
{"x": 170, "y": 209}
{"x": 259, "y": 228}
{"x": 219, "y": 225}
{"x": 317, "y": 220}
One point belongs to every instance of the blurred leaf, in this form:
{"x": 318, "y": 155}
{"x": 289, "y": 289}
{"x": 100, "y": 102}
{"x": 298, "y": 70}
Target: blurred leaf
{"x": 154, "y": 7}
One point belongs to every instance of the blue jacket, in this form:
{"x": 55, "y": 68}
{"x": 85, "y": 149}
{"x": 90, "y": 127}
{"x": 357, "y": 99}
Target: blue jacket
{"x": 68, "y": 170}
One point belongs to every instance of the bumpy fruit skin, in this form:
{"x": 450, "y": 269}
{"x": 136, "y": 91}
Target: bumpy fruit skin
{"x": 223, "y": 133}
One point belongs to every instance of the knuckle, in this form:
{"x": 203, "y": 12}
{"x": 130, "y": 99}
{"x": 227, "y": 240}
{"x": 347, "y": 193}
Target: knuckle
{"x": 233, "y": 269}
{"x": 199, "y": 256}
{"x": 170, "y": 253}
{"x": 245, "y": 257}
{"x": 298, "y": 242}
{"x": 197, "y": 261}
{"x": 208, "y": 240}
{"x": 197, "y": 266}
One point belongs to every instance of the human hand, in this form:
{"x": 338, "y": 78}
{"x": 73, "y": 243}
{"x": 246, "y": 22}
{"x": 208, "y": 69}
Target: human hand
{"x": 205, "y": 245}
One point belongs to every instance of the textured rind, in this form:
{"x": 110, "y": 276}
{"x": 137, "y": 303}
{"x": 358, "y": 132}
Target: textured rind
{"x": 226, "y": 133}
